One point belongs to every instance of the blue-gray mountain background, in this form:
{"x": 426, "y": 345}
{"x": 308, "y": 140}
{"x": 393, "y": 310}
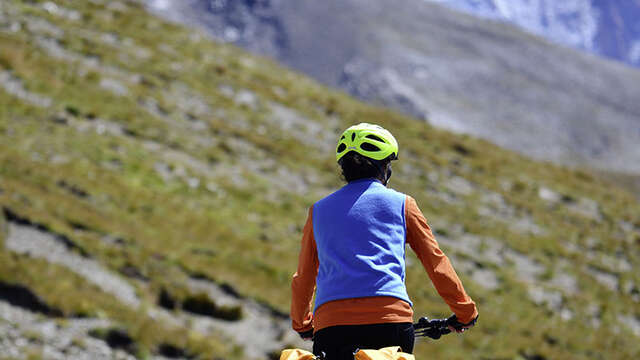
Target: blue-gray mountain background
{"x": 462, "y": 72}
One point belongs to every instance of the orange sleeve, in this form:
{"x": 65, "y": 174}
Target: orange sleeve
{"x": 304, "y": 280}
{"x": 436, "y": 263}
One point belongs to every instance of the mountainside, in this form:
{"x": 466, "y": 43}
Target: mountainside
{"x": 608, "y": 28}
{"x": 154, "y": 185}
{"x": 460, "y": 72}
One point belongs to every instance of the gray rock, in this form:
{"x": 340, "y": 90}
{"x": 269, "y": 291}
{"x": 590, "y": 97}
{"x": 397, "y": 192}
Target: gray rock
{"x": 525, "y": 225}
{"x": 588, "y": 208}
{"x": 56, "y": 50}
{"x": 258, "y": 331}
{"x": 618, "y": 263}
{"x": 164, "y": 170}
{"x": 226, "y": 90}
{"x": 57, "y": 10}
{"x": 542, "y": 296}
{"x": 482, "y": 249}
{"x": 41, "y": 26}
{"x": 460, "y": 186}
{"x": 187, "y": 100}
{"x": 486, "y": 278}
{"x": 606, "y": 279}
{"x": 14, "y": 86}
{"x": 527, "y": 269}
{"x": 114, "y": 86}
{"x": 22, "y": 330}
{"x": 630, "y": 321}
{"x": 247, "y": 98}
{"x": 549, "y": 195}
{"x": 152, "y": 107}
{"x": 36, "y": 243}
{"x": 300, "y": 127}
{"x": 495, "y": 207}
{"x": 565, "y": 282}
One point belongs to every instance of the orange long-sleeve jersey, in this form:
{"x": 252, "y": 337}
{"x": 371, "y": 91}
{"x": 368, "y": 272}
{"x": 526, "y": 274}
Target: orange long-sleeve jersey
{"x": 379, "y": 309}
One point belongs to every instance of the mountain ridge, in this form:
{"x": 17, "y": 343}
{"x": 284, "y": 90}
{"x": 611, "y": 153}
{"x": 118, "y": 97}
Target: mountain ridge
{"x": 606, "y": 28}
{"x": 467, "y": 74}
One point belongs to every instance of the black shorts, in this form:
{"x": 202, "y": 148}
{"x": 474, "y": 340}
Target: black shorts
{"x": 340, "y": 342}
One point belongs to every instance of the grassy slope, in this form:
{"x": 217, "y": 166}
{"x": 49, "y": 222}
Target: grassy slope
{"x": 239, "y": 225}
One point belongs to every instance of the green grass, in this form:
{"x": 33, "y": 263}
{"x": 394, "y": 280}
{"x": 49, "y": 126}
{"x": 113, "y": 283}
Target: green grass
{"x": 246, "y": 233}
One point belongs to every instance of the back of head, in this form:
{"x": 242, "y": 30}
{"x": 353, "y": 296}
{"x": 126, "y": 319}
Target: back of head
{"x": 366, "y": 151}
{"x": 355, "y": 166}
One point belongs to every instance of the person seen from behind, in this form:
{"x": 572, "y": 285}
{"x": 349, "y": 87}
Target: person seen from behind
{"x": 353, "y": 257}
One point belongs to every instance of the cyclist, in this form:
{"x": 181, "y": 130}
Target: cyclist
{"x": 353, "y": 257}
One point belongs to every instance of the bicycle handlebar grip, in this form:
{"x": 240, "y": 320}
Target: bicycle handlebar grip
{"x": 423, "y": 322}
{"x": 454, "y": 323}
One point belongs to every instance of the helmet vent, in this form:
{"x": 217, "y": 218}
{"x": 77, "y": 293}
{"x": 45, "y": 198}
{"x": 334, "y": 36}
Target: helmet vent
{"x": 353, "y": 136}
{"x": 342, "y": 138}
{"x": 369, "y": 147}
{"x": 373, "y": 137}
{"x": 342, "y": 147}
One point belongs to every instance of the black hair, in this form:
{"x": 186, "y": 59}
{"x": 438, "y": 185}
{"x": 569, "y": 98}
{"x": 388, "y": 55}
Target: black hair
{"x": 355, "y": 166}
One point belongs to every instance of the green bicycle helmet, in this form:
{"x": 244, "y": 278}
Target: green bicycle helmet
{"x": 368, "y": 140}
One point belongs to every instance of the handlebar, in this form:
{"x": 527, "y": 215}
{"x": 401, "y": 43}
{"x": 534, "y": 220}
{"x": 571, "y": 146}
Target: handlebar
{"x": 433, "y": 328}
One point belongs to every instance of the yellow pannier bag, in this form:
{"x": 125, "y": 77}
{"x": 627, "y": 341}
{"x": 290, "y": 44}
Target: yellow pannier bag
{"x": 296, "y": 354}
{"x": 388, "y": 353}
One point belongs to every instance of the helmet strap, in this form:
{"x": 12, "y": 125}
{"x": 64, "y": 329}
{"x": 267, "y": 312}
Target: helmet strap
{"x": 385, "y": 171}
{"x": 388, "y": 175}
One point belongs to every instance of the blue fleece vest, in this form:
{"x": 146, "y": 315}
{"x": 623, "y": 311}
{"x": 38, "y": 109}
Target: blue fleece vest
{"x": 360, "y": 235}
